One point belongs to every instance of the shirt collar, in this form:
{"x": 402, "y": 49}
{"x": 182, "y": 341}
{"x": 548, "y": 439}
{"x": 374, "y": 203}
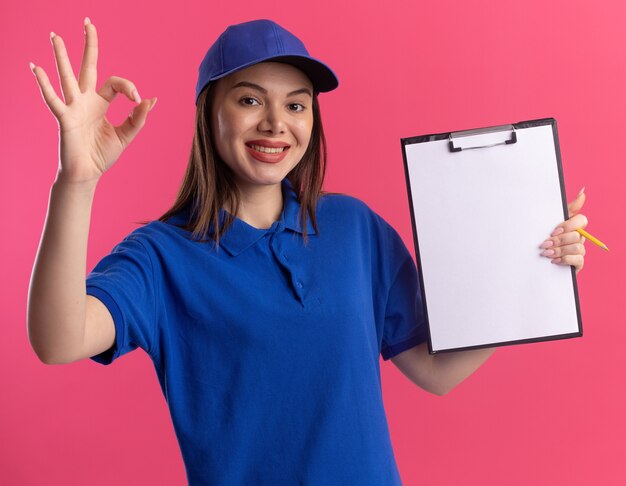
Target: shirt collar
{"x": 291, "y": 210}
{"x": 241, "y": 236}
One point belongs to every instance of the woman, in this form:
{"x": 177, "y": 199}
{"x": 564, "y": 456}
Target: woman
{"x": 264, "y": 304}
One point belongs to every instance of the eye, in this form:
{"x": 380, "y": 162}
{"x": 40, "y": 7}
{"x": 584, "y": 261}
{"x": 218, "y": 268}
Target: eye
{"x": 296, "y": 107}
{"x": 248, "y": 101}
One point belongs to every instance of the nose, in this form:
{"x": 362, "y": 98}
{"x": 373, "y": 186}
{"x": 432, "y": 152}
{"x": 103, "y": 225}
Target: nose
{"x": 273, "y": 121}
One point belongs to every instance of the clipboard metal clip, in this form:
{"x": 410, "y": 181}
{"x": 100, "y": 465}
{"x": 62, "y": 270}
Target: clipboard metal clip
{"x": 472, "y": 136}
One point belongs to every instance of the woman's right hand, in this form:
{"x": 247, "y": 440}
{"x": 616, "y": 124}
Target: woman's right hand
{"x": 89, "y": 144}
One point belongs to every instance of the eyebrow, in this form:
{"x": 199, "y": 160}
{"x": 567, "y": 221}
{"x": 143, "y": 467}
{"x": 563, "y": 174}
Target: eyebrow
{"x": 247, "y": 84}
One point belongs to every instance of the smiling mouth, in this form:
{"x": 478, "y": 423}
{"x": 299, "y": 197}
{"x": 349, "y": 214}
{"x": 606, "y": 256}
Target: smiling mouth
{"x": 267, "y": 150}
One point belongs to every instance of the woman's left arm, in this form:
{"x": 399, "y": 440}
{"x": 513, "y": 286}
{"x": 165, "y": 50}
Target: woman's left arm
{"x": 440, "y": 373}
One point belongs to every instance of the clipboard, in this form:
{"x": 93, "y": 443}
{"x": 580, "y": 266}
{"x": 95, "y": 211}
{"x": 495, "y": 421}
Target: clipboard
{"x": 482, "y": 201}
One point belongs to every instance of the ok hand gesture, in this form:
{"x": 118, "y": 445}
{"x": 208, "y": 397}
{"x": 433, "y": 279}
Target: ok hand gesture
{"x": 89, "y": 144}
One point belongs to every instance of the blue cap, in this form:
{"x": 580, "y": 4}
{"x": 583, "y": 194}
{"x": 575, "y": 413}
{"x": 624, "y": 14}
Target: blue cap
{"x": 249, "y": 43}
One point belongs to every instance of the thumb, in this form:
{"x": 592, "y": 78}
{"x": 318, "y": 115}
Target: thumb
{"x": 576, "y": 205}
{"x": 135, "y": 121}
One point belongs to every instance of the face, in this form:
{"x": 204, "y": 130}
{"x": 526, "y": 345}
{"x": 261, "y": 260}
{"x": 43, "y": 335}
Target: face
{"x": 262, "y": 120}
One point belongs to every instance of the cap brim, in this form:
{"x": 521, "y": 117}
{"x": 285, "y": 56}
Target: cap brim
{"x": 322, "y": 77}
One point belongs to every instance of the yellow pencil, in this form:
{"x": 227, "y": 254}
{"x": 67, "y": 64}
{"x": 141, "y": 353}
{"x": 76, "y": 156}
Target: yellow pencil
{"x": 593, "y": 239}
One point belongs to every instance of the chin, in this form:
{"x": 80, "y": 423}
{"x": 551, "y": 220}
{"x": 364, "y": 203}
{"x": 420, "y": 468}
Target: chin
{"x": 262, "y": 181}
{"x": 267, "y": 175}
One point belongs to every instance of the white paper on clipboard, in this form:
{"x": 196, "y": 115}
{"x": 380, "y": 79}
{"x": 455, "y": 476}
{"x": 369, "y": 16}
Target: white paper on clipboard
{"x": 479, "y": 217}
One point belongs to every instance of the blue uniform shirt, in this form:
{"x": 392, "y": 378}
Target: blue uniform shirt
{"x": 267, "y": 352}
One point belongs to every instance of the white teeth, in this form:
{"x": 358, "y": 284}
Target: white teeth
{"x": 267, "y": 150}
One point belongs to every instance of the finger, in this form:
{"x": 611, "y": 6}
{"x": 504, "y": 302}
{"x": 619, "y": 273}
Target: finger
{"x": 55, "y": 104}
{"x": 572, "y": 224}
{"x": 69, "y": 86}
{"x": 115, "y": 85}
{"x": 577, "y": 261}
{"x": 88, "y": 69}
{"x": 128, "y": 130}
{"x": 559, "y": 251}
{"x": 576, "y": 205}
{"x": 563, "y": 239}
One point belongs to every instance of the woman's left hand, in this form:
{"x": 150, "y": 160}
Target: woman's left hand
{"x": 566, "y": 246}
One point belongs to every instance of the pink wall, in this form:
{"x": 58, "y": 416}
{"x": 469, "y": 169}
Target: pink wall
{"x": 541, "y": 414}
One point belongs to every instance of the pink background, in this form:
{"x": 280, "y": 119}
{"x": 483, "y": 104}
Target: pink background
{"x": 537, "y": 414}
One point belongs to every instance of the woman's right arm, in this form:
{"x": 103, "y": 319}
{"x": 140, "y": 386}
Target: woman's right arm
{"x": 64, "y": 323}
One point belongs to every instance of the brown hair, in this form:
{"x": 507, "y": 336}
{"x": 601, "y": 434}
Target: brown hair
{"x": 209, "y": 184}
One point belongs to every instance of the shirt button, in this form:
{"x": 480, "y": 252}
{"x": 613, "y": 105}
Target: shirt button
{"x": 285, "y": 257}
{"x": 299, "y": 285}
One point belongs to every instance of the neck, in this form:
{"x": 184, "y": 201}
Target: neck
{"x": 260, "y": 206}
